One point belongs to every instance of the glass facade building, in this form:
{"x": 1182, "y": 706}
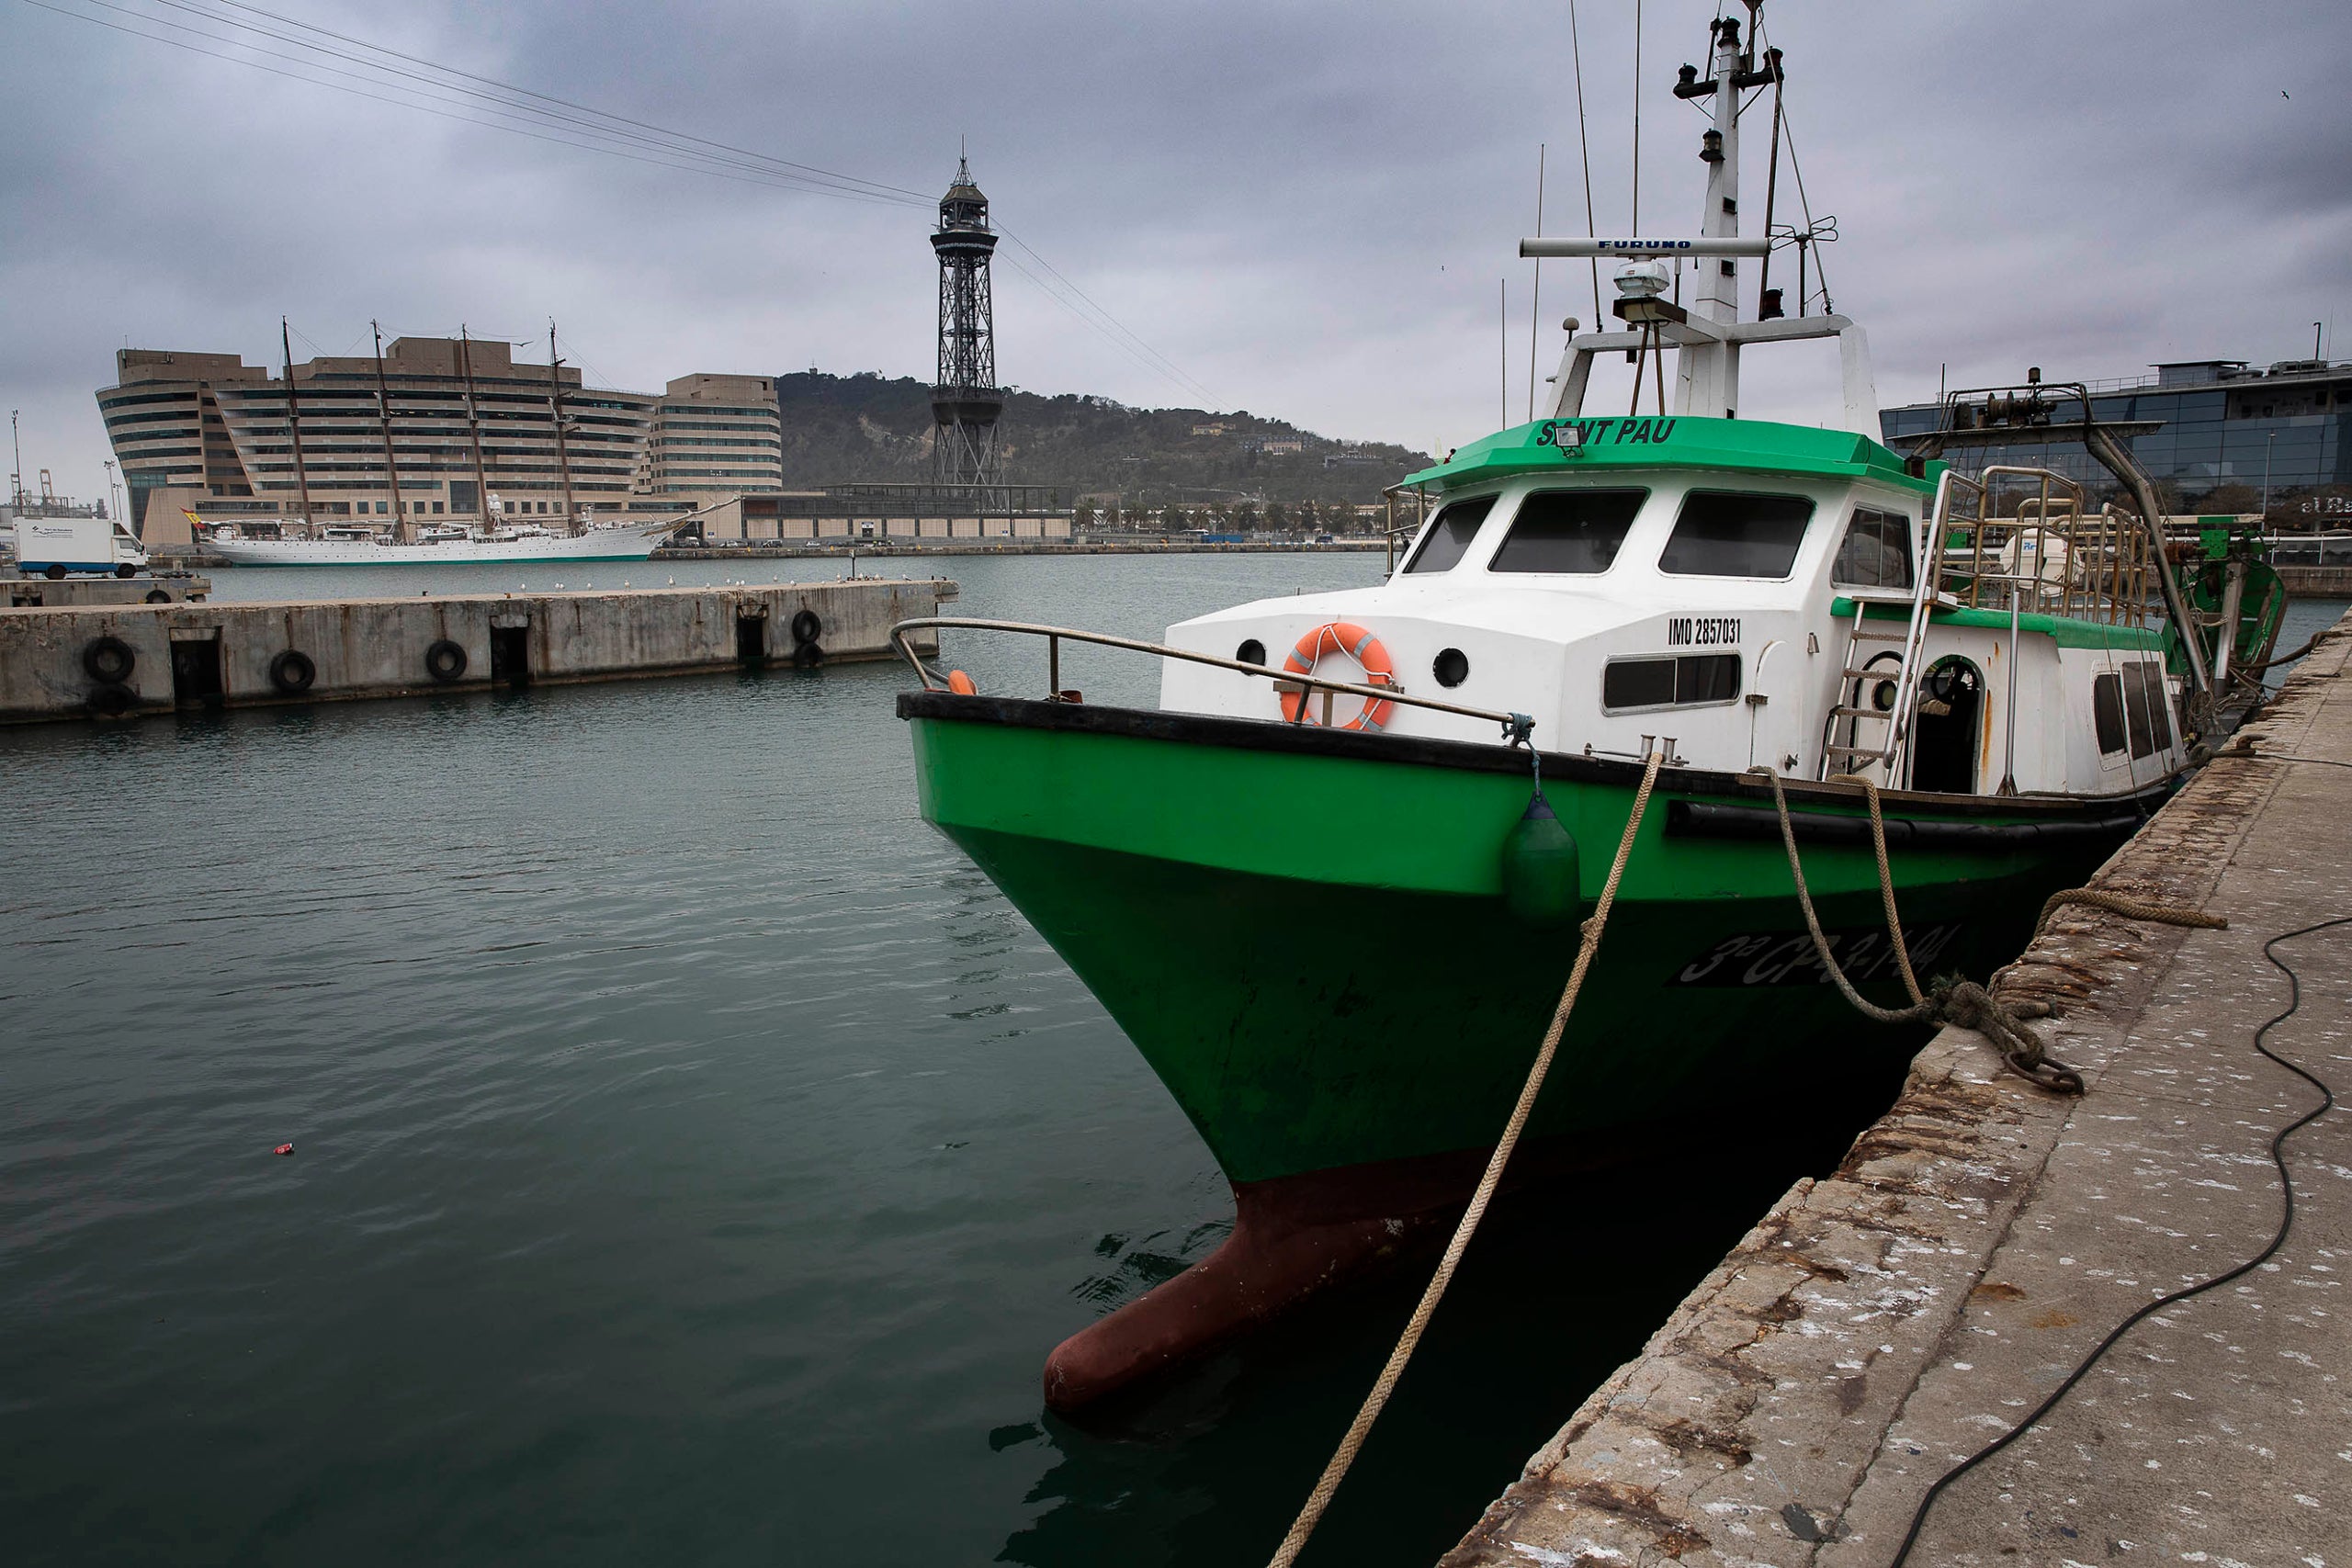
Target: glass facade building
{"x": 2228, "y": 437}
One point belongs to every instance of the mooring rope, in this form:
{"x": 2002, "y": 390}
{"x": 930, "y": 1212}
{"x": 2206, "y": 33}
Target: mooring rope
{"x": 1590, "y": 932}
{"x": 1953, "y": 1000}
{"x": 1949, "y": 1000}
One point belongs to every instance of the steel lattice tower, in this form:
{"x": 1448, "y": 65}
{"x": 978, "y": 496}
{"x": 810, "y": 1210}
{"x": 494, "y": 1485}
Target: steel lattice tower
{"x": 966, "y": 400}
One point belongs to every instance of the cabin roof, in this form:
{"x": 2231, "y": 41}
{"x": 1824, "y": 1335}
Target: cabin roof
{"x": 1675, "y": 441}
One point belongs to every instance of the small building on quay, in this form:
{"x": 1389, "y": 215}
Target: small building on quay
{"x": 442, "y": 427}
{"x": 2228, "y": 437}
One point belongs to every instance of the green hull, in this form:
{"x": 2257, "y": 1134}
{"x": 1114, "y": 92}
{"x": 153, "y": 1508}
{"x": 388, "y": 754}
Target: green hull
{"x": 1303, "y": 931}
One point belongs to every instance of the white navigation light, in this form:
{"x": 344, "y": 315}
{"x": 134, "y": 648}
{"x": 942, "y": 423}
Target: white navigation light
{"x": 1642, "y": 279}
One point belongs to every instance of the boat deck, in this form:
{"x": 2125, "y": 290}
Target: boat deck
{"x": 1882, "y": 1323}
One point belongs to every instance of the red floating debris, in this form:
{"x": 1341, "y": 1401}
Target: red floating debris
{"x": 283, "y": 1149}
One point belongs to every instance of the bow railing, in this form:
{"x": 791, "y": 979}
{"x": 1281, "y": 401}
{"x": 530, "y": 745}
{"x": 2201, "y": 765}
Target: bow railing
{"x": 1516, "y": 727}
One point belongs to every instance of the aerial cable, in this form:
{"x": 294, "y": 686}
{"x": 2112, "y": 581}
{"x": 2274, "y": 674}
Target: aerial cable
{"x": 1165, "y": 365}
{"x": 421, "y": 109}
{"x": 566, "y": 103}
{"x": 544, "y": 125}
{"x": 501, "y": 109}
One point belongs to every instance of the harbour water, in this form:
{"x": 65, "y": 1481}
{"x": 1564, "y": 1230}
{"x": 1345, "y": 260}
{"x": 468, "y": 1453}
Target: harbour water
{"x": 693, "y": 1156}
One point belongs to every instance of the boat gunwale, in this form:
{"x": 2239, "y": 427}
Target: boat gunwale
{"x": 1311, "y": 739}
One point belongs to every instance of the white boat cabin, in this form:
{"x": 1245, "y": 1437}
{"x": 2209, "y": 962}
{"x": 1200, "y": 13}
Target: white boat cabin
{"x": 1755, "y": 595}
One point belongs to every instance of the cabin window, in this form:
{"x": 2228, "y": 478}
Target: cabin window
{"x": 1688, "y": 681}
{"x": 1570, "y": 531}
{"x": 1447, "y": 539}
{"x": 1729, "y": 533}
{"x": 2106, "y": 713}
{"x": 1875, "y": 552}
{"x": 2147, "y": 707}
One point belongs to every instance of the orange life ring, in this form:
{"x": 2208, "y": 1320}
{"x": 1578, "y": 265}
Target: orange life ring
{"x": 1341, "y": 636}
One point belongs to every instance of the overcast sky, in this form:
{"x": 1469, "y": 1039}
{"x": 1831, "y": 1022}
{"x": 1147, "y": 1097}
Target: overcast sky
{"x": 1305, "y": 208}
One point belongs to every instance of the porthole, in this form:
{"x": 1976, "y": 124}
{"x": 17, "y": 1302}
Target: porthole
{"x": 1451, "y": 667}
{"x": 1251, "y": 653}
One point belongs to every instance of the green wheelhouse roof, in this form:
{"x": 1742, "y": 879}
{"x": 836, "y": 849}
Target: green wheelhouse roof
{"x": 1677, "y": 441}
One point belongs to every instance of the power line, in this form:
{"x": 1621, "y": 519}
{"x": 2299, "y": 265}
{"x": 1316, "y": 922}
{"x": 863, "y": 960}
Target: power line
{"x": 1154, "y": 358}
{"x": 614, "y": 135}
{"x": 452, "y": 71}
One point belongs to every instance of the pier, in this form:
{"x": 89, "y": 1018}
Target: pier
{"x": 20, "y": 593}
{"x": 1881, "y": 1324}
{"x": 120, "y": 660}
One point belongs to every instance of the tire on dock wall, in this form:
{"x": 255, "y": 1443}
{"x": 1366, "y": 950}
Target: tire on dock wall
{"x": 292, "y": 672}
{"x": 444, "y": 660}
{"x": 109, "y": 659}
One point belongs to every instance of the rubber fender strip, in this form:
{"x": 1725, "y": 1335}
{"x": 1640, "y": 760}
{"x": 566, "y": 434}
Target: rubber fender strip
{"x": 1714, "y": 820}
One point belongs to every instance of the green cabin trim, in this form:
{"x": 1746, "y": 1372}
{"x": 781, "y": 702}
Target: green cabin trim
{"x": 1677, "y": 441}
{"x": 2067, "y": 631}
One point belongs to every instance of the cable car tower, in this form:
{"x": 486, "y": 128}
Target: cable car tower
{"x": 966, "y": 400}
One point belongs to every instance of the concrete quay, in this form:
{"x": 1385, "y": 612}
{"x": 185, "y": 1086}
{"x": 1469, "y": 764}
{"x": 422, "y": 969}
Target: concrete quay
{"x": 118, "y": 661}
{"x": 18, "y": 592}
{"x": 1879, "y": 1325}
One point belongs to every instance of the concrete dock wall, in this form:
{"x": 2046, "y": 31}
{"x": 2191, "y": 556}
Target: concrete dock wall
{"x": 67, "y": 663}
{"x": 18, "y": 592}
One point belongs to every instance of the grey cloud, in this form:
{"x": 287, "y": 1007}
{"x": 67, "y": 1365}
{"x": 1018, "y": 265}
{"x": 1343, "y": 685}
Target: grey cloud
{"x": 1306, "y": 206}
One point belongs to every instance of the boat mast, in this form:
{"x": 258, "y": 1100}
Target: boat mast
{"x": 1707, "y": 372}
{"x": 294, "y": 422}
{"x": 474, "y": 424}
{"x": 384, "y": 404}
{"x": 562, "y": 453}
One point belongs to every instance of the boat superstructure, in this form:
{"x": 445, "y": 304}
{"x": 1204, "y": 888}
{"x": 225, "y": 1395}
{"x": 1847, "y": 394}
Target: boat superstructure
{"x": 1297, "y": 884}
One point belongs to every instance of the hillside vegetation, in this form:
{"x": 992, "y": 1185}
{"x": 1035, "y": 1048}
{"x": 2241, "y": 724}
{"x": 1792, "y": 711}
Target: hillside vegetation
{"x": 869, "y": 428}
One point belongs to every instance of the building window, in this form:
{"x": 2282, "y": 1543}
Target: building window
{"x": 436, "y": 508}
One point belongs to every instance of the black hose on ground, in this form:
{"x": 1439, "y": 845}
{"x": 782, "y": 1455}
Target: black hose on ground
{"x": 2279, "y": 1238}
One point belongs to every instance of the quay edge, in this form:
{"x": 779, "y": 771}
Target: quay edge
{"x": 53, "y": 665}
{"x": 1879, "y": 1325}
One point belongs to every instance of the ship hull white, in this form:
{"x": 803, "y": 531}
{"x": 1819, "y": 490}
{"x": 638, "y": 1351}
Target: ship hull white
{"x": 603, "y": 544}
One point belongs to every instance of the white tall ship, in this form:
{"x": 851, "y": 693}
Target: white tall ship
{"x": 354, "y": 546}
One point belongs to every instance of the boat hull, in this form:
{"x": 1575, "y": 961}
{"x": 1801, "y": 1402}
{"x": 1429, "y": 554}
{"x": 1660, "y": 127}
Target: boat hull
{"x": 1305, "y": 933}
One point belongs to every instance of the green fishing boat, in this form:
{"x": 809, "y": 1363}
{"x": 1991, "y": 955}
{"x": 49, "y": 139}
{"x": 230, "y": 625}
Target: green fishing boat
{"x": 1330, "y": 886}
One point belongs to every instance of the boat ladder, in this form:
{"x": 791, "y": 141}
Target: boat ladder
{"x": 1879, "y": 686}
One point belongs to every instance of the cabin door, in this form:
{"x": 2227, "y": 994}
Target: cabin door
{"x": 1947, "y": 727}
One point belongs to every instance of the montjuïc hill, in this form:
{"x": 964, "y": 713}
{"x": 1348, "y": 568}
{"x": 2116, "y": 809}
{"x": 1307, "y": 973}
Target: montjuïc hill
{"x": 871, "y": 428}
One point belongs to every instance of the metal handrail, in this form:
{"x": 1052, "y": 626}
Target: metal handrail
{"x": 1514, "y": 724}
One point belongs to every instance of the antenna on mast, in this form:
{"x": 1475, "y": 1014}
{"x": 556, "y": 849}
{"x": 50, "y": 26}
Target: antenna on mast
{"x": 1535, "y": 309}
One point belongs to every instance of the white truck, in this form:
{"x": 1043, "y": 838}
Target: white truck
{"x": 52, "y": 547}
